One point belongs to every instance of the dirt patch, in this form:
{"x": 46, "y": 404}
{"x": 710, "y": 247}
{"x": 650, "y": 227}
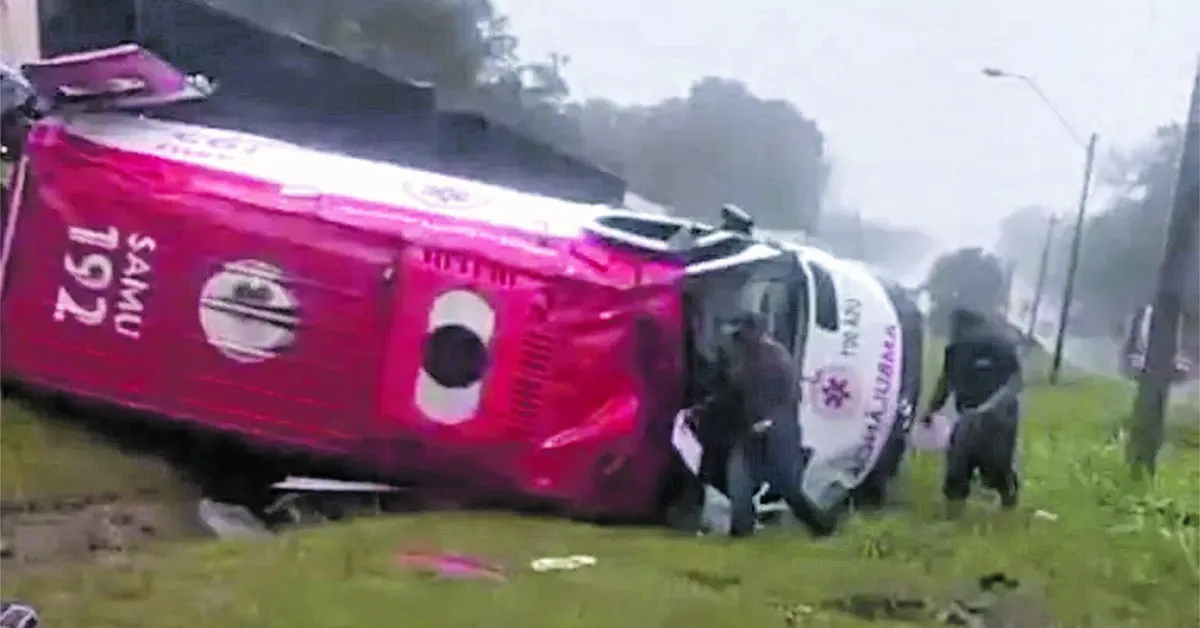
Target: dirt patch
{"x": 991, "y": 601}
{"x": 80, "y": 481}
{"x": 70, "y": 492}
{"x": 37, "y": 536}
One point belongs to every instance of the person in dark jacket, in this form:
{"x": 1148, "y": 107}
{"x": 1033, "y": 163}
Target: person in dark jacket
{"x": 983, "y": 372}
{"x": 764, "y": 383}
{"x": 770, "y": 447}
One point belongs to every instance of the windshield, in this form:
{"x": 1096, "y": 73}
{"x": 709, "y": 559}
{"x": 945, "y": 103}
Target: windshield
{"x": 825, "y": 306}
{"x": 714, "y": 300}
{"x": 784, "y": 303}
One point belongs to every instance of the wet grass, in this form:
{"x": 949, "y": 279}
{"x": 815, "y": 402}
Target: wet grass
{"x": 1117, "y": 554}
{"x": 45, "y": 458}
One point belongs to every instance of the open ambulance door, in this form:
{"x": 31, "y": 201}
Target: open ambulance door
{"x": 119, "y": 78}
{"x": 122, "y": 78}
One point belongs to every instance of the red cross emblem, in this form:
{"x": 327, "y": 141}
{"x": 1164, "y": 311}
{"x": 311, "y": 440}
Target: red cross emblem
{"x": 836, "y": 392}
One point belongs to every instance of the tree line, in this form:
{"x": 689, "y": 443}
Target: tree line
{"x": 719, "y": 143}
{"x": 1123, "y": 238}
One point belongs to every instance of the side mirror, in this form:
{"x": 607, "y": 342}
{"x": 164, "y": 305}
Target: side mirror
{"x": 734, "y": 218}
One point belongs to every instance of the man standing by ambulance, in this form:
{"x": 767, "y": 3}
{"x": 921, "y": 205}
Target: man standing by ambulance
{"x": 771, "y": 449}
{"x": 982, "y": 371}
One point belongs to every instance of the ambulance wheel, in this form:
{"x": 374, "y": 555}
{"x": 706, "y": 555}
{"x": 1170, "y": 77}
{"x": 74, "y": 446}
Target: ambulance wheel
{"x": 873, "y": 492}
{"x": 681, "y": 499}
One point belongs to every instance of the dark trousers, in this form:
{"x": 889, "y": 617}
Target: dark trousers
{"x": 743, "y": 475}
{"x": 784, "y": 463}
{"x": 985, "y": 444}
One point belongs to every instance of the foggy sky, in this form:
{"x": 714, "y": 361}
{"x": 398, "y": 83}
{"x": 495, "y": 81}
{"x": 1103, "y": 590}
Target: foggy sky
{"x": 918, "y": 136}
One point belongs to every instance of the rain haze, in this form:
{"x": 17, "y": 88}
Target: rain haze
{"x": 918, "y": 136}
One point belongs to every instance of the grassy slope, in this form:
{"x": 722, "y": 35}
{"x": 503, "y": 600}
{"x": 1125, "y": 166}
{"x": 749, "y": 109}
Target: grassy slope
{"x": 44, "y": 458}
{"x": 1109, "y": 560}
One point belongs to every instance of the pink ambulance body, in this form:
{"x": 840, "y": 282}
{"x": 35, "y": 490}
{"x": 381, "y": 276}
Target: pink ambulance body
{"x": 416, "y": 326}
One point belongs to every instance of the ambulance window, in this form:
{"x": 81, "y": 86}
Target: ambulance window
{"x": 825, "y": 298}
{"x": 800, "y": 305}
{"x": 654, "y": 229}
{"x": 770, "y": 298}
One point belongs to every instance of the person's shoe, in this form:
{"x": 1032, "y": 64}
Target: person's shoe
{"x": 955, "y": 508}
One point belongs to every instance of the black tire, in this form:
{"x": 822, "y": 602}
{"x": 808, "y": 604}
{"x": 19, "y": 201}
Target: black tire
{"x": 681, "y": 498}
{"x": 873, "y": 492}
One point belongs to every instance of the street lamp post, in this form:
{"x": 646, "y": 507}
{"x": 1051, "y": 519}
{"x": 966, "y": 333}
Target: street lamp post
{"x": 1089, "y": 146}
{"x": 1064, "y": 314}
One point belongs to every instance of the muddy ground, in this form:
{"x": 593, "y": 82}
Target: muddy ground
{"x": 79, "y": 530}
{"x": 85, "y": 483}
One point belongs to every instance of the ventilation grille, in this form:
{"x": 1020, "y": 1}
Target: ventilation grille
{"x": 533, "y": 373}
{"x": 467, "y": 265}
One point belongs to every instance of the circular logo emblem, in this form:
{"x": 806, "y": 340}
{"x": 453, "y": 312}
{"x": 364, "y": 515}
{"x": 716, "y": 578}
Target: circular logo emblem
{"x": 444, "y": 195}
{"x": 834, "y": 392}
{"x": 247, "y": 313}
{"x": 455, "y": 358}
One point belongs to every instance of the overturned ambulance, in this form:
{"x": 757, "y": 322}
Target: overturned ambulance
{"x": 413, "y": 327}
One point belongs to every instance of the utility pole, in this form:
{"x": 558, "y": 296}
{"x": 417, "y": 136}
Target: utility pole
{"x": 1043, "y": 271}
{"x": 1073, "y": 262}
{"x": 1077, "y": 240}
{"x": 1154, "y": 382}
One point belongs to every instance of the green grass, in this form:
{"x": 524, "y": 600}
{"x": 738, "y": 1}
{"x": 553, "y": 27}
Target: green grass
{"x": 43, "y": 458}
{"x": 1116, "y": 556}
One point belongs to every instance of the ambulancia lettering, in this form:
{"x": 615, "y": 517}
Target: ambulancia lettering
{"x": 880, "y": 402}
